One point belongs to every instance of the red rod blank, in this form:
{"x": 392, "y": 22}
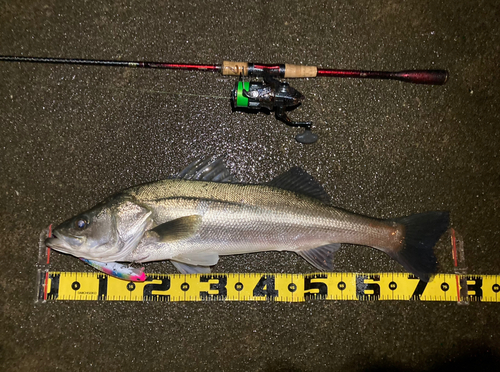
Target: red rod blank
{"x": 431, "y": 77}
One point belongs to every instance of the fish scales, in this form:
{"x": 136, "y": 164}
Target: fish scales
{"x": 241, "y": 218}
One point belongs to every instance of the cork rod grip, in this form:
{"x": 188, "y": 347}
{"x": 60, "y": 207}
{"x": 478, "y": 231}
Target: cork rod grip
{"x": 299, "y": 71}
{"x": 230, "y": 68}
{"x": 234, "y": 68}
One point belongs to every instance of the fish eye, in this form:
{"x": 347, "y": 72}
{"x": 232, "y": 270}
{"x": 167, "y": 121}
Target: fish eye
{"x": 82, "y": 223}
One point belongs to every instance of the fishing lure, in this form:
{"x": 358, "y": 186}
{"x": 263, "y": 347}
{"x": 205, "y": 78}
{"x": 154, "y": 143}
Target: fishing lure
{"x": 118, "y": 270}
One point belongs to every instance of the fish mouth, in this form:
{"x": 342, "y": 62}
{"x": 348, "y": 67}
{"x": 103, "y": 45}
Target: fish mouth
{"x": 64, "y": 244}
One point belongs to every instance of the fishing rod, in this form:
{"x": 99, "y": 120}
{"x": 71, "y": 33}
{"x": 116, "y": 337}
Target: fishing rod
{"x": 270, "y": 94}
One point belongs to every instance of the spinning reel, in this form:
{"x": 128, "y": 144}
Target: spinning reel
{"x": 272, "y": 95}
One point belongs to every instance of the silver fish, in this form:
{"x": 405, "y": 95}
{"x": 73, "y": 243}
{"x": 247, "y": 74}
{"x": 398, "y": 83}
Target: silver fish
{"x": 203, "y": 214}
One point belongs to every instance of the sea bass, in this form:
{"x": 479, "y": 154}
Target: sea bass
{"x": 204, "y": 213}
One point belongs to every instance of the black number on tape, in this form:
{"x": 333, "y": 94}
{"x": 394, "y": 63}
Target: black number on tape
{"x": 320, "y": 287}
{"x": 163, "y": 286}
{"x": 220, "y": 287}
{"x": 419, "y": 289}
{"x": 367, "y": 291}
{"x": 476, "y": 288}
{"x": 103, "y": 286}
{"x": 266, "y": 288}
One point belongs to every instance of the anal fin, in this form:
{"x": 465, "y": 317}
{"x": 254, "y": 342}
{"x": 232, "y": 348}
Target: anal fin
{"x": 321, "y": 257}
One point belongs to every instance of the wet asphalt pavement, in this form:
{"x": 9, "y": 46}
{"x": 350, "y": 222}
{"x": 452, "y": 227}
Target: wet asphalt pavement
{"x": 73, "y": 135}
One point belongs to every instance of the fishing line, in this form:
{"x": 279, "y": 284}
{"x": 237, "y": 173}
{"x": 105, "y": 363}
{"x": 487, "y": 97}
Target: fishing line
{"x": 185, "y": 94}
{"x": 164, "y": 92}
{"x": 121, "y": 90}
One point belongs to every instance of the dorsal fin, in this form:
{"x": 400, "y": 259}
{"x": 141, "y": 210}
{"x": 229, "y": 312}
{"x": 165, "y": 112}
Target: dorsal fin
{"x": 211, "y": 169}
{"x": 298, "y": 180}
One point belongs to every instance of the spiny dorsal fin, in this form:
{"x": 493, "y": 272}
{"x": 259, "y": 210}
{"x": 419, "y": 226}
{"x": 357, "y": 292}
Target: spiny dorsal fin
{"x": 298, "y": 180}
{"x": 211, "y": 169}
{"x": 180, "y": 228}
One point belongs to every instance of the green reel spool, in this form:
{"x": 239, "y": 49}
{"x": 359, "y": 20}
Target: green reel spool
{"x": 239, "y": 99}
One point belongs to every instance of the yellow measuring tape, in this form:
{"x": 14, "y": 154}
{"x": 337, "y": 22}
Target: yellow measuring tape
{"x": 94, "y": 286}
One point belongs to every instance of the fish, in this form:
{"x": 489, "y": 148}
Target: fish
{"x": 204, "y": 212}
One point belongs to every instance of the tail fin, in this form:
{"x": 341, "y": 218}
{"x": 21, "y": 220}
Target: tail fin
{"x": 422, "y": 232}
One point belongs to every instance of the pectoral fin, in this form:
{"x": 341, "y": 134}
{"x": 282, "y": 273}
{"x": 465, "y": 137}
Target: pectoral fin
{"x": 180, "y": 228}
{"x": 321, "y": 257}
